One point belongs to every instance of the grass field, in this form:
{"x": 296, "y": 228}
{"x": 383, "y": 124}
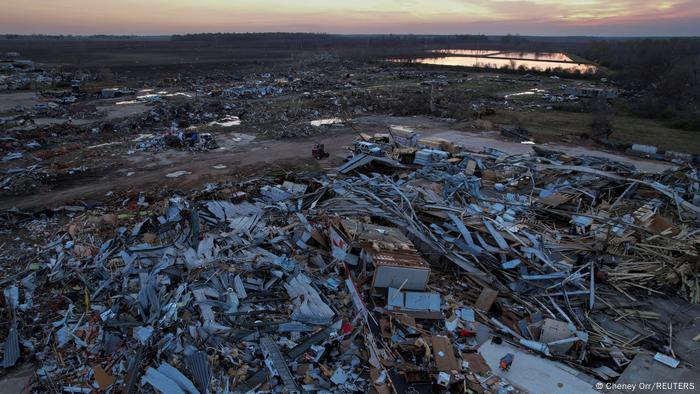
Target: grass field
{"x": 626, "y": 129}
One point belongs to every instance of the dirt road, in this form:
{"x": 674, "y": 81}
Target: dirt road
{"x": 147, "y": 170}
{"x": 240, "y": 157}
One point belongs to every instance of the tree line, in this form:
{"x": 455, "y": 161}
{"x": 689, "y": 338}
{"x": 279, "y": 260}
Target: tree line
{"x": 664, "y": 73}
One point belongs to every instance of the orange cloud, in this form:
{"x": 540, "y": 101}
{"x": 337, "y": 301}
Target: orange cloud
{"x": 546, "y": 17}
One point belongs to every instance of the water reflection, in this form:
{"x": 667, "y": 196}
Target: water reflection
{"x": 557, "y": 57}
{"x": 526, "y": 93}
{"x": 465, "y": 52}
{"x": 326, "y": 122}
{"x": 514, "y": 64}
{"x": 227, "y": 121}
{"x": 537, "y": 61}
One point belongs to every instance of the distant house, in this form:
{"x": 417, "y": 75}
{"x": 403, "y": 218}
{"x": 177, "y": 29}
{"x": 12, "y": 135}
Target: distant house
{"x": 592, "y": 92}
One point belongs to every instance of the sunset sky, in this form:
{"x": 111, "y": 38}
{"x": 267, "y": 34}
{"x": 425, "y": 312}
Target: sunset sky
{"x": 528, "y": 17}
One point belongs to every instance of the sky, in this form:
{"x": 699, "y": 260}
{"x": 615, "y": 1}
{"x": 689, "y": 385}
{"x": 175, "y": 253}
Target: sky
{"x": 493, "y": 17}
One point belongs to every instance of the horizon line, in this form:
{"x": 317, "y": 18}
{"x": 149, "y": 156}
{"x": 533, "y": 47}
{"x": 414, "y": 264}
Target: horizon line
{"x": 342, "y": 34}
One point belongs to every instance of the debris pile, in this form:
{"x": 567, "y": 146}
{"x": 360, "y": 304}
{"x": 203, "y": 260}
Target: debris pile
{"x": 415, "y": 269}
{"x": 453, "y": 275}
{"x": 187, "y": 139}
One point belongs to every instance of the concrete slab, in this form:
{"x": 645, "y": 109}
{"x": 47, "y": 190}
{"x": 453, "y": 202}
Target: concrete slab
{"x": 685, "y": 318}
{"x": 18, "y": 380}
{"x": 535, "y": 374}
{"x": 646, "y": 375}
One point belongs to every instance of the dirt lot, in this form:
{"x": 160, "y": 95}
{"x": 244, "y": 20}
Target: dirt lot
{"x": 9, "y": 101}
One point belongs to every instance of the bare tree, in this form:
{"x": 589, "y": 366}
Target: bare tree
{"x": 603, "y": 115}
